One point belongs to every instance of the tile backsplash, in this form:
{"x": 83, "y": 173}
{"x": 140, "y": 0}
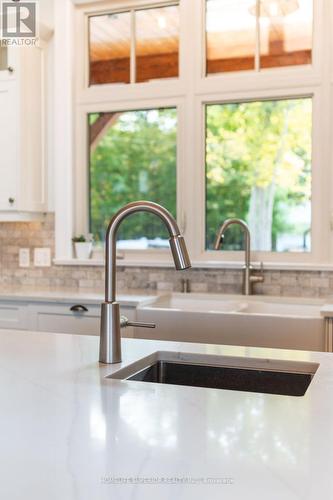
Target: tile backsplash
{"x": 14, "y": 236}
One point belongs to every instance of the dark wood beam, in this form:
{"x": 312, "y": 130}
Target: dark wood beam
{"x": 149, "y": 67}
{"x": 100, "y": 127}
{"x": 166, "y": 65}
{"x": 266, "y": 61}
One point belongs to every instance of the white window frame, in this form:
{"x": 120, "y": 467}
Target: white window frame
{"x": 82, "y": 181}
{"x": 319, "y": 250}
{"x": 190, "y": 92}
{"x": 124, "y": 97}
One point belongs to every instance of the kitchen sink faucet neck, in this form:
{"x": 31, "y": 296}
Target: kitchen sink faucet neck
{"x": 111, "y": 321}
{"x": 248, "y": 277}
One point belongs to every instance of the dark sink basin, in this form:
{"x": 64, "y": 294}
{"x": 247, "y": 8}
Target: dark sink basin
{"x": 220, "y": 377}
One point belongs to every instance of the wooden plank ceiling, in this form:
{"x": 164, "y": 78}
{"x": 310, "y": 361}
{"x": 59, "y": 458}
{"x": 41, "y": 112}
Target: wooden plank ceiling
{"x": 156, "y": 33}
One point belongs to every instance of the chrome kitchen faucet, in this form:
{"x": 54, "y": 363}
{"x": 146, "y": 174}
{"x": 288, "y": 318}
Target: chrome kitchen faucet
{"x": 111, "y": 321}
{"x": 248, "y": 278}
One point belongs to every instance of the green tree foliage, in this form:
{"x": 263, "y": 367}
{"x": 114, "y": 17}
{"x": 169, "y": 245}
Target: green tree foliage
{"x": 258, "y": 162}
{"x": 258, "y": 168}
{"x": 135, "y": 159}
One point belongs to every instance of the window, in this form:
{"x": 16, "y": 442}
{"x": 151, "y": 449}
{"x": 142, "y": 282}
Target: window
{"x": 110, "y": 48}
{"x": 285, "y": 32}
{"x": 230, "y": 36}
{"x": 133, "y": 155}
{"x": 136, "y": 46}
{"x": 157, "y": 43}
{"x": 249, "y": 34}
{"x": 236, "y": 140}
{"x": 258, "y": 168}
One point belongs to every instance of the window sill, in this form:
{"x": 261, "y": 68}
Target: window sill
{"x": 278, "y": 266}
{"x": 78, "y": 262}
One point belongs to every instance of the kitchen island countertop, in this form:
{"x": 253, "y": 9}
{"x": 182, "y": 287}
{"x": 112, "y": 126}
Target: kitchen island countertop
{"x": 69, "y": 433}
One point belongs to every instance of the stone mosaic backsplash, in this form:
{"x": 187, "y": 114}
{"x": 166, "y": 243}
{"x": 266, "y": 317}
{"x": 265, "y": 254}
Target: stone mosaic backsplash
{"x": 41, "y": 234}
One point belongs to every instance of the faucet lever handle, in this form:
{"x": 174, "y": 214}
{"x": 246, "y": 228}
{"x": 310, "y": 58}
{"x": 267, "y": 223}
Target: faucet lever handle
{"x": 124, "y": 322}
{"x": 137, "y": 324}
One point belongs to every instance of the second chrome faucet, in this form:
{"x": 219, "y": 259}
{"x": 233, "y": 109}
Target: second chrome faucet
{"x": 248, "y": 277}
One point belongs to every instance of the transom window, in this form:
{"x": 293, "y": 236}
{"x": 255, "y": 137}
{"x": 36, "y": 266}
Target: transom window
{"x": 247, "y": 138}
{"x": 134, "y": 46}
{"x": 256, "y": 34}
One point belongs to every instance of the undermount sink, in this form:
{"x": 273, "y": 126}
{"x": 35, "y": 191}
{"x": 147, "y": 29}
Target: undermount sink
{"x": 218, "y": 372}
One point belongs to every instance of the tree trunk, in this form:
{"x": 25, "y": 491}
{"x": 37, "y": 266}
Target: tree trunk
{"x": 261, "y": 217}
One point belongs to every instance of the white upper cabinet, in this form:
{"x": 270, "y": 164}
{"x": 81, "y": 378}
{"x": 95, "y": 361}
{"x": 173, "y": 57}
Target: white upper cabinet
{"x": 9, "y": 151}
{"x": 23, "y": 168}
{"x": 7, "y": 62}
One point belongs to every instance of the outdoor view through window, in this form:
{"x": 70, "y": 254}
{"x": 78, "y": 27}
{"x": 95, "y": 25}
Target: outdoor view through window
{"x": 258, "y": 168}
{"x": 133, "y": 156}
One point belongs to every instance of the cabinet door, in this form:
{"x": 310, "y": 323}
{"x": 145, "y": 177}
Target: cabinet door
{"x": 9, "y": 146}
{"x": 8, "y": 64}
{"x": 76, "y": 318}
{"x": 32, "y": 118}
{"x": 13, "y": 315}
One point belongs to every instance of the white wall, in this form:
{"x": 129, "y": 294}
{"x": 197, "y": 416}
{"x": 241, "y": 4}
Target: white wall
{"x": 46, "y": 12}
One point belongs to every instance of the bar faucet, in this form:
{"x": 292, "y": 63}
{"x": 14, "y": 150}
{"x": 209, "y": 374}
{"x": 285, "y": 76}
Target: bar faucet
{"x": 249, "y": 279}
{"x": 111, "y": 321}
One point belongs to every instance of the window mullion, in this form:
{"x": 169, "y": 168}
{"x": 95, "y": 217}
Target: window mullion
{"x": 257, "y": 54}
{"x": 133, "y": 49}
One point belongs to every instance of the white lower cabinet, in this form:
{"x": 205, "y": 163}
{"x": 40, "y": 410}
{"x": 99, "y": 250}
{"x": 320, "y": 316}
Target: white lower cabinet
{"x": 76, "y": 318}
{"x": 14, "y": 315}
{"x": 61, "y": 318}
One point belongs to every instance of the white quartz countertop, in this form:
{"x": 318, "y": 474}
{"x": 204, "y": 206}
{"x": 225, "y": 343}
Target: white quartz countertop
{"x": 72, "y": 295}
{"x": 69, "y": 433}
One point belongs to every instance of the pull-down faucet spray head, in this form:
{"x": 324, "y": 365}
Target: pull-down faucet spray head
{"x": 179, "y": 252}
